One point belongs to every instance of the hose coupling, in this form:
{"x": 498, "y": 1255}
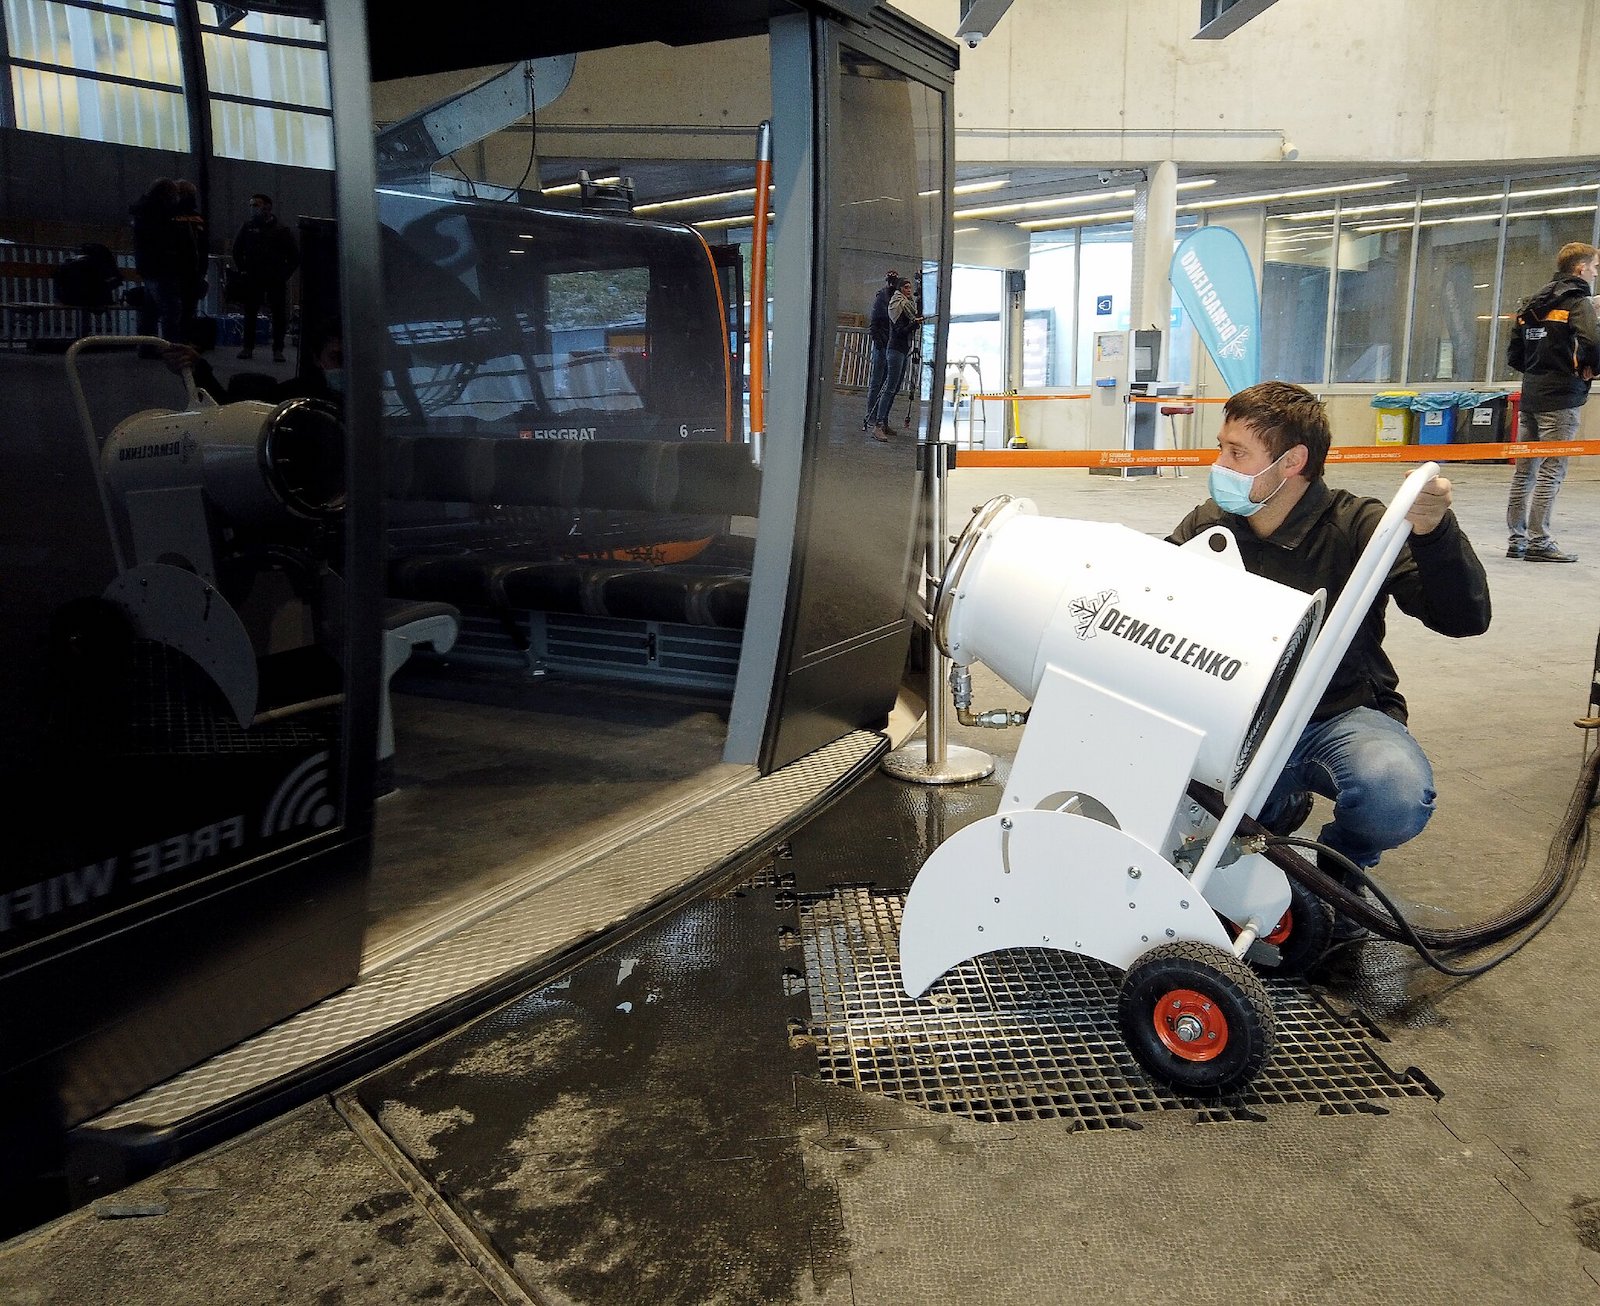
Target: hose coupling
{"x": 961, "y": 696}
{"x": 998, "y": 718}
{"x": 961, "y": 687}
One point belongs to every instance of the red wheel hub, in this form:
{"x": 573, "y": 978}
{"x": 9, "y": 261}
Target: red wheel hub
{"x": 1190, "y": 1025}
{"x": 1281, "y": 932}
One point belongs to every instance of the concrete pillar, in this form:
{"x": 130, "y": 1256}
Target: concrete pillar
{"x": 1155, "y": 223}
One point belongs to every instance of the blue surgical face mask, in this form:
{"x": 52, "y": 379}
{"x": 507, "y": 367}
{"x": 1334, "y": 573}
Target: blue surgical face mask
{"x": 1231, "y": 489}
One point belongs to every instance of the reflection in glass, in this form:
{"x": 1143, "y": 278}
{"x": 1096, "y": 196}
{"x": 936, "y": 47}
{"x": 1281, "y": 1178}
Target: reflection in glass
{"x": 179, "y": 650}
{"x": 886, "y": 184}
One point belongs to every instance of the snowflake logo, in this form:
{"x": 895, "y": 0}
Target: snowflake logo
{"x": 1235, "y": 347}
{"x": 1086, "y": 609}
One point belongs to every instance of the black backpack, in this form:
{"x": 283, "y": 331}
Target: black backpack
{"x": 89, "y": 279}
{"x": 1542, "y": 338}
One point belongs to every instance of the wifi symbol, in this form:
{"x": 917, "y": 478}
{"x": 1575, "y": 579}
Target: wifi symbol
{"x": 302, "y": 799}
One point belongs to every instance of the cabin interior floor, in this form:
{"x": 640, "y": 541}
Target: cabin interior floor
{"x": 499, "y": 778}
{"x": 732, "y": 1103}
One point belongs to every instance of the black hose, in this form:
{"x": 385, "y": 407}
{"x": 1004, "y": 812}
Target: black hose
{"x": 1527, "y": 915}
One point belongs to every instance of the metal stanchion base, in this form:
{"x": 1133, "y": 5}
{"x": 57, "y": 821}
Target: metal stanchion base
{"x": 960, "y": 765}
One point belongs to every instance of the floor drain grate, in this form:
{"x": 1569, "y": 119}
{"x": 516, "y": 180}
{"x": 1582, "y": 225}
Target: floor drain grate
{"x": 1031, "y": 1034}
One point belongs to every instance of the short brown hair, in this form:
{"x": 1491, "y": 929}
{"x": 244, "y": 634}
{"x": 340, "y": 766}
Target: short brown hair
{"x": 1284, "y": 415}
{"x": 1573, "y": 254}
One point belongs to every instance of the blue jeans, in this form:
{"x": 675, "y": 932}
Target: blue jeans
{"x": 894, "y": 374}
{"x": 161, "y": 311}
{"x": 1529, "y": 514}
{"x": 1377, "y": 775}
{"x": 877, "y": 370}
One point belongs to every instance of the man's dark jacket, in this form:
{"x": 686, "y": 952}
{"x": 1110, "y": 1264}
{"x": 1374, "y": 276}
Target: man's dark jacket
{"x": 266, "y": 252}
{"x": 1437, "y": 579}
{"x": 1551, "y": 379}
{"x": 879, "y": 323}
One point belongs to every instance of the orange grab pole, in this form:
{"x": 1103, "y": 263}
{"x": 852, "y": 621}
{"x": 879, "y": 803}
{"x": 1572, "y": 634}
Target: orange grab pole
{"x": 758, "y": 288}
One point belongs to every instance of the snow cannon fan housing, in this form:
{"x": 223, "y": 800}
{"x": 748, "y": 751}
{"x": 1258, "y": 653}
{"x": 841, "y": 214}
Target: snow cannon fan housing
{"x": 1181, "y": 631}
{"x": 256, "y": 462}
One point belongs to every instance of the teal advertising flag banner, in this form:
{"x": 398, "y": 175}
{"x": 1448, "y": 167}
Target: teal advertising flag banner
{"x": 1217, "y": 287}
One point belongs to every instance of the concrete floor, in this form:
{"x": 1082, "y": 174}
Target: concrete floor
{"x": 654, "y": 1127}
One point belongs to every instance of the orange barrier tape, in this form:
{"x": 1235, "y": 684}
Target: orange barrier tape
{"x": 1132, "y": 399}
{"x": 1027, "y": 399}
{"x": 1373, "y": 453}
{"x": 1172, "y": 399}
{"x": 1460, "y": 453}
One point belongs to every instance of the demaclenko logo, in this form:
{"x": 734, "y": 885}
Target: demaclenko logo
{"x": 1168, "y": 643}
{"x": 1086, "y": 609}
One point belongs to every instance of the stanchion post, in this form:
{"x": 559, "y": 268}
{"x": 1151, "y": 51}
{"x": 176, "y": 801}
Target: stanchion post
{"x": 937, "y": 762}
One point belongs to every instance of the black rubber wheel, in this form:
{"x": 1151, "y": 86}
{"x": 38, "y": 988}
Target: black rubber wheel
{"x": 1302, "y": 936}
{"x": 1196, "y": 1018}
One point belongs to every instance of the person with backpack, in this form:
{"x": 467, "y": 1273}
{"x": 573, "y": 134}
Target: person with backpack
{"x": 1555, "y": 344}
{"x": 158, "y": 258}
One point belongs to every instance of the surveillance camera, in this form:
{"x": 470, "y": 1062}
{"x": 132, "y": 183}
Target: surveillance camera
{"x": 972, "y": 39}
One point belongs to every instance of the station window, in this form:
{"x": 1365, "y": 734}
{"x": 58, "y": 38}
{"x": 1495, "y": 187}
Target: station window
{"x": 112, "y": 71}
{"x": 1051, "y": 308}
{"x": 1435, "y": 318}
{"x": 1105, "y": 282}
{"x": 108, "y": 70}
{"x": 1295, "y": 281}
{"x": 1178, "y": 350}
{"x": 268, "y": 76}
{"x": 1458, "y": 245}
{"x": 1372, "y": 274}
{"x": 1541, "y": 216}
{"x": 977, "y": 330}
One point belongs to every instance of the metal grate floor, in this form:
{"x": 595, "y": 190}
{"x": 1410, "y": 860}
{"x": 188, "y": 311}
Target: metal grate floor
{"x": 182, "y": 713}
{"x": 1031, "y": 1034}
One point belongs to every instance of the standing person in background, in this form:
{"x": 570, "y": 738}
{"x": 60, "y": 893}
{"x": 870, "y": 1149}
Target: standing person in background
{"x": 156, "y": 258}
{"x": 903, "y": 320}
{"x": 1555, "y": 344}
{"x": 190, "y": 257}
{"x": 878, "y": 325}
{"x": 266, "y": 255}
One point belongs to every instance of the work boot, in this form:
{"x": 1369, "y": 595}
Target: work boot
{"x": 1296, "y": 813}
{"x": 1345, "y": 930}
{"x": 1517, "y": 549}
{"x": 1549, "y": 553}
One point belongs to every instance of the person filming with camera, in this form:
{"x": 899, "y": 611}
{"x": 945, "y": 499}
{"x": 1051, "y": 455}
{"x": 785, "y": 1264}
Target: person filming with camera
{"x": 904, "y": 319}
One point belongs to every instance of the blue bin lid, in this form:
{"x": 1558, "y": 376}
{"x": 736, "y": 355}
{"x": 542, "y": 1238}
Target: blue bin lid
{"x": 1435, "y": 400}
